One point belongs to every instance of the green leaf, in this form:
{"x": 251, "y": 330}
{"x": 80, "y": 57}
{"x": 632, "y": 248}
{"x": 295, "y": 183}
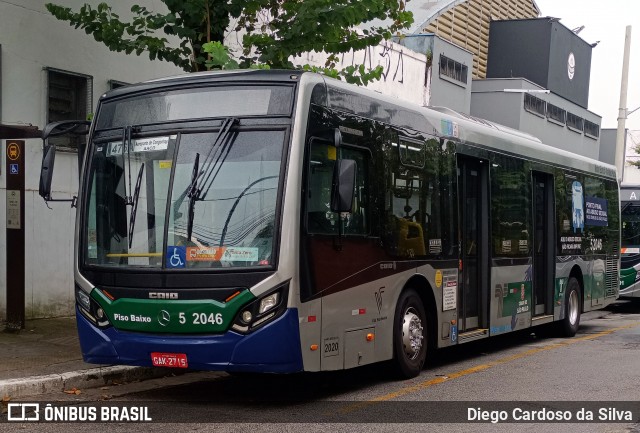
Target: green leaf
{"x": 293, "y": 28}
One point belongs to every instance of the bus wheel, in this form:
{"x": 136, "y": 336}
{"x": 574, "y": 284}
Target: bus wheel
{"x": 569, "y": 325}
{"x": 409, "y": 335}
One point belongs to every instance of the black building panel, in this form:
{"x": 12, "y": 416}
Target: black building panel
{"x": 543, "y": 51}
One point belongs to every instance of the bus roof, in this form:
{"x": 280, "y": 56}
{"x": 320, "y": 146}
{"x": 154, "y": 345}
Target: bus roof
{"x": 359, "y": 101}
{"x": 458, "y": 126}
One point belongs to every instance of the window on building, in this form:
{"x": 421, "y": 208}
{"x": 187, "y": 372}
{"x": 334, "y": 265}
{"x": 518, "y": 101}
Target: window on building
{"x": 452, "y": 69}
{"x": 575, "y": 122}
{"x": 69, "y": 97}
{"x": 556, "y": 114}
{"x": 591, "y": 129}
{"x": 534, "y": 105}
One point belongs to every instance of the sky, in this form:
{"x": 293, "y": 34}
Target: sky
{"x": 605, "y": 21}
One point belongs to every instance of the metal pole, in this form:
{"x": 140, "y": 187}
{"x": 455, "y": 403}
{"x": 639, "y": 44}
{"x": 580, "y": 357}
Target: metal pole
{"x": 622, "y": 111}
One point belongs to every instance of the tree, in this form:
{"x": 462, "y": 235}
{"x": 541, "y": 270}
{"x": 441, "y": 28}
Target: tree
{"x": 273, "y": 31}
{"x": 635, "y": 161}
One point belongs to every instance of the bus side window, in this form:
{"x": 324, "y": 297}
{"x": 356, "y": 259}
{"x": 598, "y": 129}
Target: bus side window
{"x": 320, "y": 218}
{"x": 408, "y": 203}
{"x": 356, "y": 221}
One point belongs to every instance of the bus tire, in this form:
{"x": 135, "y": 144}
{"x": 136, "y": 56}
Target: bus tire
{"x": 409, "y": 335}
{"x": 571, "y": 321}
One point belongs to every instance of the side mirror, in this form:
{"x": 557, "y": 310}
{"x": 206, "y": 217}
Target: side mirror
{"x": 46, "y": 171}
{"x": 343, "y": 186}
{"x": 56, "y": 129}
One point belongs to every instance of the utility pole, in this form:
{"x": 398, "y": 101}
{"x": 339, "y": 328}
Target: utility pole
{"x": 622, "y": 112}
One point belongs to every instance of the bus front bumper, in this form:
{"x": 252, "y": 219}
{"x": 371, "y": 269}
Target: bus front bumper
{"x": 274, "y": 348}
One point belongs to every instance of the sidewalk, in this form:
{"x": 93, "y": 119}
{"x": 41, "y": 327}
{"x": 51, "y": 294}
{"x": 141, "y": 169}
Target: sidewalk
{"x": 45, "y": 357}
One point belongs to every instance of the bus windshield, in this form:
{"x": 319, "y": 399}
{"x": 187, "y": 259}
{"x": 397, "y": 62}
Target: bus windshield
{"x": 630, "y": 225}
{"x": 189, "y": 200}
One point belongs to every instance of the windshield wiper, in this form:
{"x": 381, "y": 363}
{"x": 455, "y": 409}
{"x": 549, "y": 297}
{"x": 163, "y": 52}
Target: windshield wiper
{"x": 134, "y": 203}
{"x": 126, "y": 134}
{"x": 202, "y": 180}
{"x": 194, "y": 176}
{"x": 219, "y": 151}
{"x": 192, "y": 196}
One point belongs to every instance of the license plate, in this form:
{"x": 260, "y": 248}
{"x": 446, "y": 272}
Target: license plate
{"x": 174, "y": 360}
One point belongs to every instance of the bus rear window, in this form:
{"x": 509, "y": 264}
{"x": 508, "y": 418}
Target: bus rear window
{"x": 198, "y": 103}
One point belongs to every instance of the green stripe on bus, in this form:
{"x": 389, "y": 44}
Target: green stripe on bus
{"x": 171, "y": 316}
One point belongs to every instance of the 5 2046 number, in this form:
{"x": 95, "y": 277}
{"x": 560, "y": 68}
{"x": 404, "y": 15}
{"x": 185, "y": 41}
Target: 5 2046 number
{"x": 202, "y": 318}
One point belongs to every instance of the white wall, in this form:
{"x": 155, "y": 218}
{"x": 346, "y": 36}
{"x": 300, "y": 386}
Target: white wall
{"x": 403, "y": 69}
{"x": 31, "y": 40}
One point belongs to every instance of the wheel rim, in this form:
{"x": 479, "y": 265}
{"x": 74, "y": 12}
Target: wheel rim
{"x": 412, "y": 337}
{"x": 573, "y": 307}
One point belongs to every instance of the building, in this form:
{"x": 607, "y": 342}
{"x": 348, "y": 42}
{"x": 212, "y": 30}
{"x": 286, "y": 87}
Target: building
{"x": 51, "y": 71}
{"x": 528, "y": 72}
{"x": 521, "y": 104}
{"x": 467, "y": 23}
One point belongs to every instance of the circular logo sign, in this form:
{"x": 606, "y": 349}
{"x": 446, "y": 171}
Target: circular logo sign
{"x": 571, "y": 66}
{"x": 13, "y": 151}
{"x": 164, "y": 318}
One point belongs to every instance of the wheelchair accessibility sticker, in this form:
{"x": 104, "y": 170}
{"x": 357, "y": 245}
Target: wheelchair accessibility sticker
{"x": 176, "y": 257}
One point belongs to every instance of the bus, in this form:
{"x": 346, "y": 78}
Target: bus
{"x": 630, "y": 253}
{"x": 283, "y": 221}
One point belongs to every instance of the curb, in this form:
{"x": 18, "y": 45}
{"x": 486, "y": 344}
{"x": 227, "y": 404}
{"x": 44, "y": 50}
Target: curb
{"x": 91, "y": 378}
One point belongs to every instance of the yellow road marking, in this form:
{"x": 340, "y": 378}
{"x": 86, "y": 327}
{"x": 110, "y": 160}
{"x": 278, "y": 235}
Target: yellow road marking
{"x": 482, "y": 367}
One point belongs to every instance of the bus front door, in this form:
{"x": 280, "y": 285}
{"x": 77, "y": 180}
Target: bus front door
{"x": 474, "y": 219}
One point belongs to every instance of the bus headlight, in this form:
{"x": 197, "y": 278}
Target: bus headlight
{"x": 247, "y": 316}
{"x": 83, "y": 299}
{"x": 268, "y": 302}
{"x": 262, "y": 310}
{"x": 90, "y": 309}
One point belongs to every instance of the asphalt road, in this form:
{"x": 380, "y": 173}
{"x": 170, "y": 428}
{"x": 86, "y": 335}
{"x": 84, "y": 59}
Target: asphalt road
{"x": 596, "y": 370}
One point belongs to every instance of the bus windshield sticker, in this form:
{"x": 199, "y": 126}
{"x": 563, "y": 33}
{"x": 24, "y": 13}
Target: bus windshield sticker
{"x": 240, "y": 254}
{"x": 204, "y": 254}
{"x": 176, "y": 257}
{"x": 151, "y": 144}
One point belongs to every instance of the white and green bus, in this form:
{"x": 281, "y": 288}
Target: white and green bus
{"x": 282, "y": 221}
{"x": 630, "y": 242}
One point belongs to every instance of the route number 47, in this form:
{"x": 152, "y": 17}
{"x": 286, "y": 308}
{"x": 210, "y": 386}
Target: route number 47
{"x": 202, "y": 318}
